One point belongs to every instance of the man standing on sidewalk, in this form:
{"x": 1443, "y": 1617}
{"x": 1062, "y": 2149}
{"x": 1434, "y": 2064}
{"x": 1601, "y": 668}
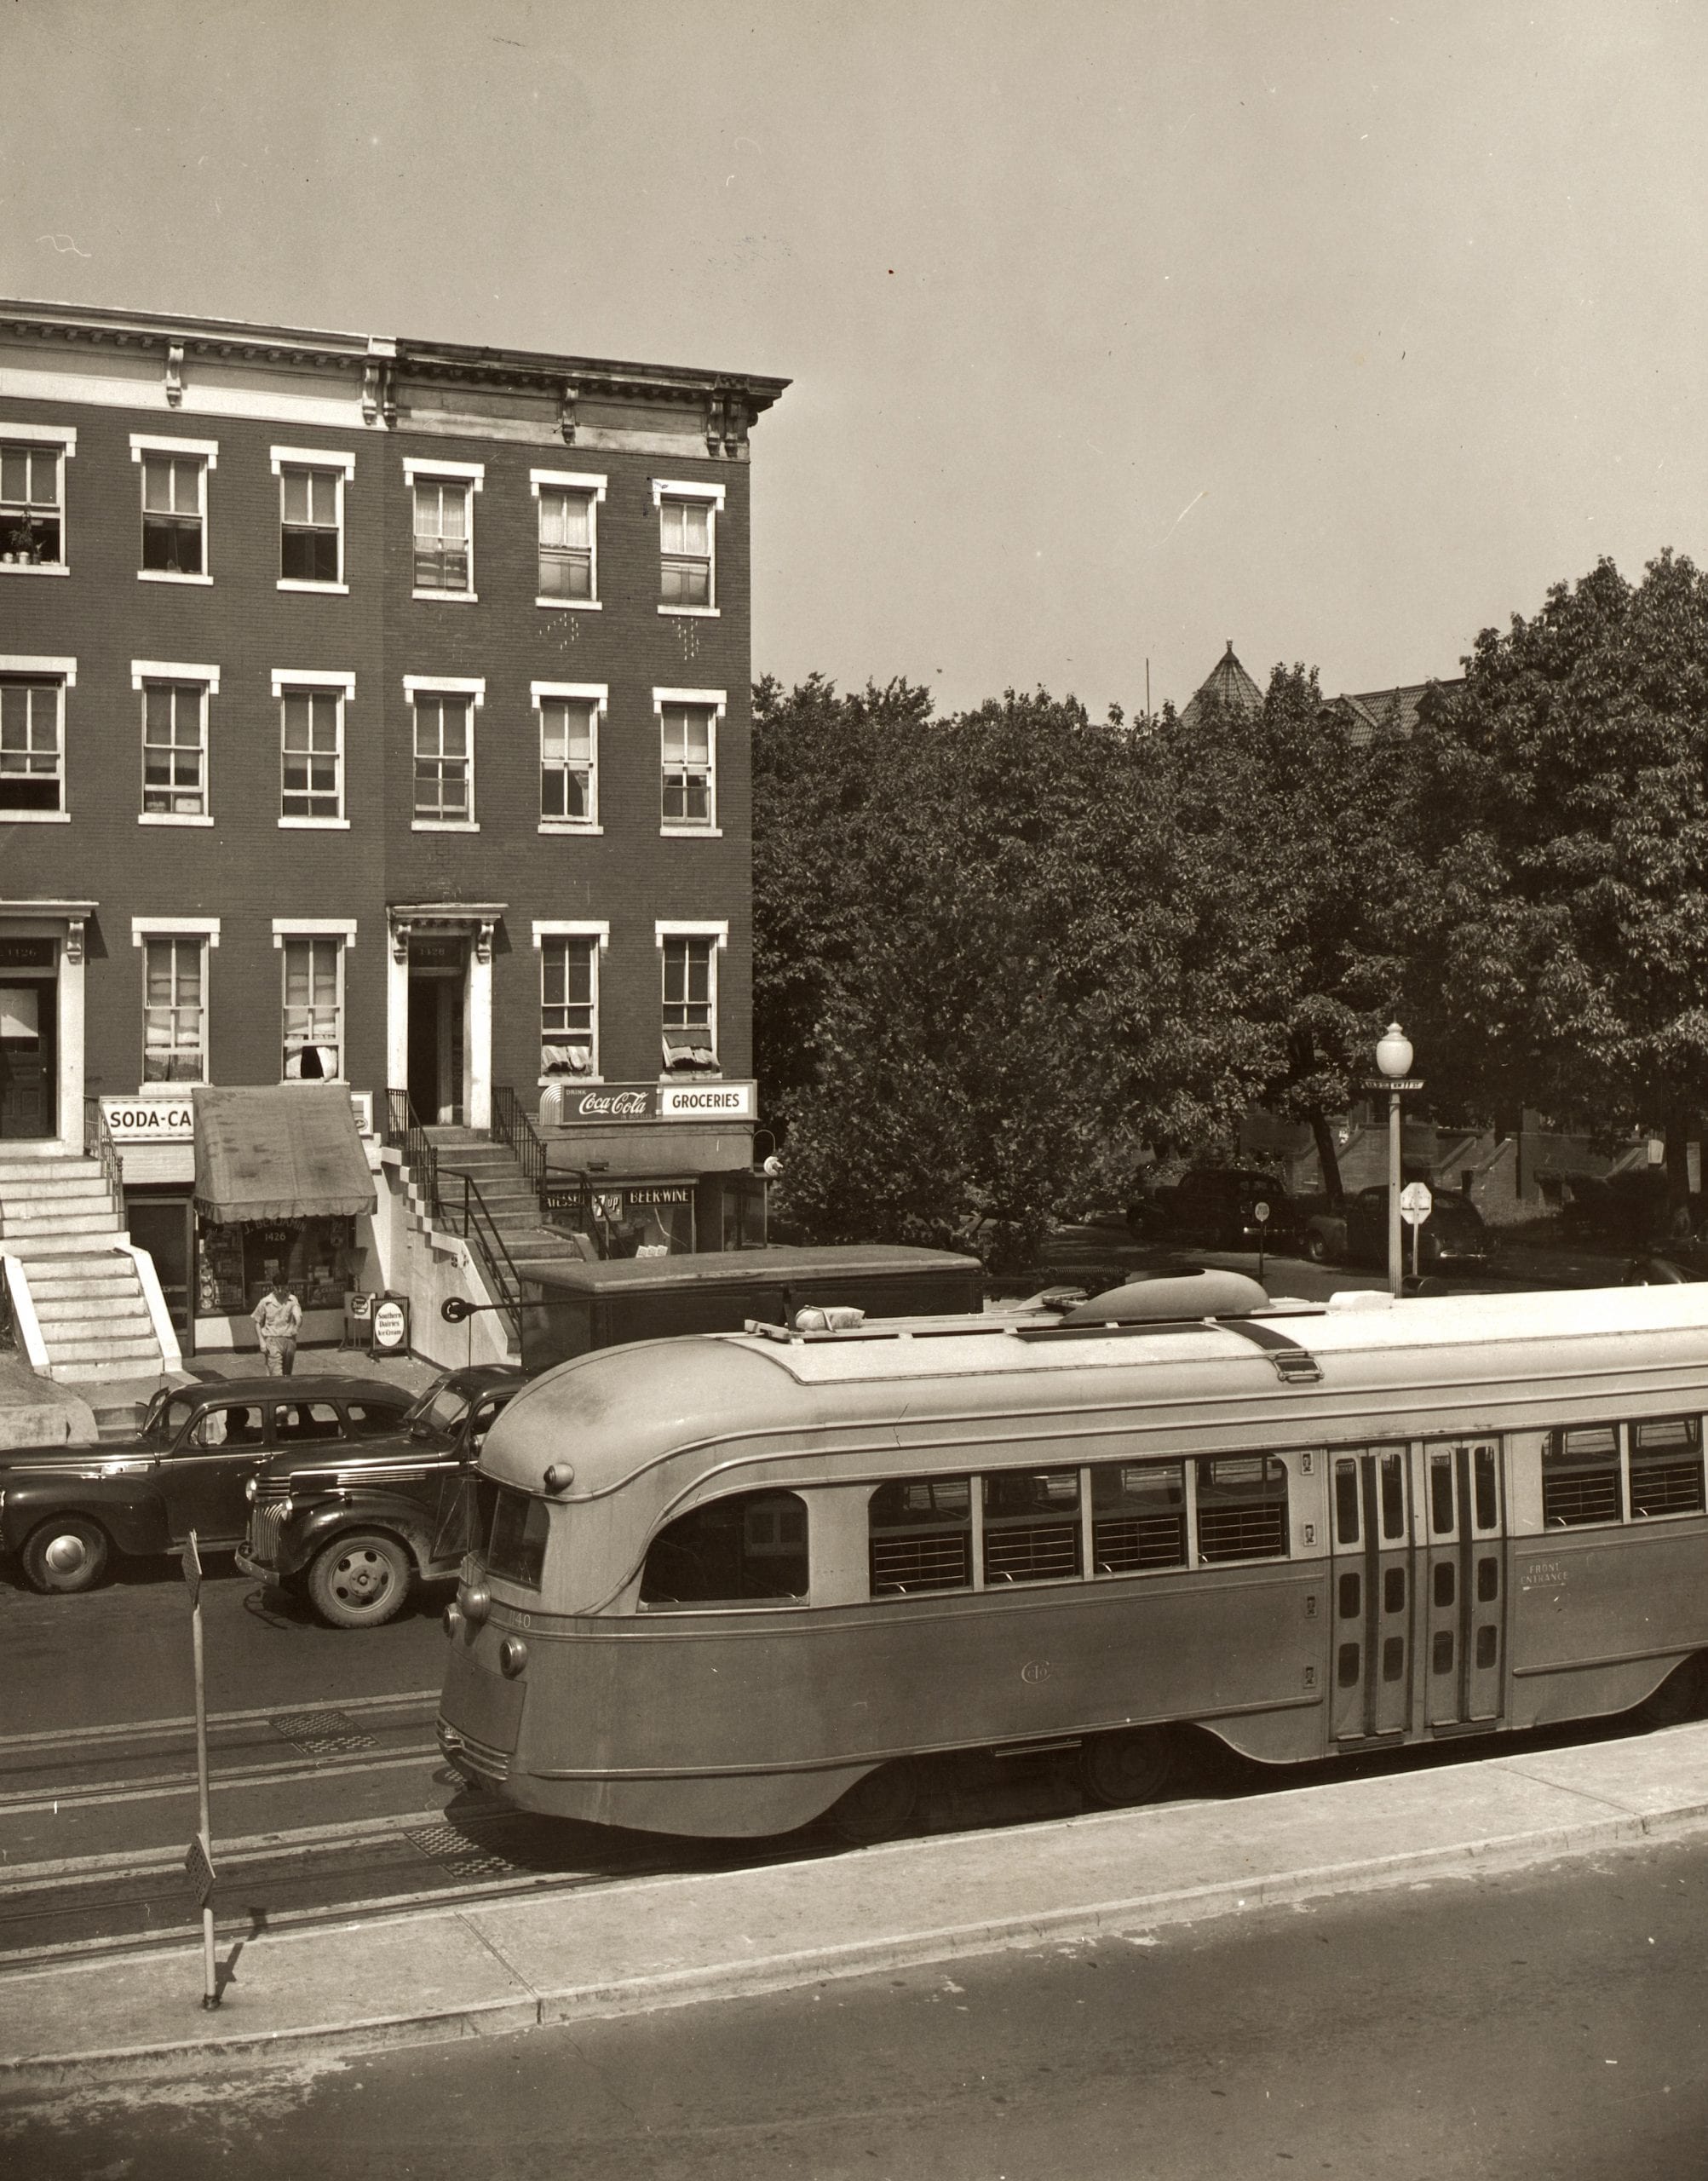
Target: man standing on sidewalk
{"x": 277, "y": 1316}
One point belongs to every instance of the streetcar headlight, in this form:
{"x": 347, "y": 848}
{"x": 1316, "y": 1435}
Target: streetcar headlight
{"x": 513, "y": 1655}
{"x": 453, "y": 1618}
{"x": 476, "y": 1602}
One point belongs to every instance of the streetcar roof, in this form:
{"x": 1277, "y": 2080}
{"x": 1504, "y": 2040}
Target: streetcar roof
{"x": 742, "y": 1268}
{"x": 620, "y": 1410}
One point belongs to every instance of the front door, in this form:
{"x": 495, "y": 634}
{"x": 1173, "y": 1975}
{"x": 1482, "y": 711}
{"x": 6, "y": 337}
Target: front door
{"x": 29, "y": 1064}
{"x": 435, "y": 1035}
{"x": 1372, "y": 1594}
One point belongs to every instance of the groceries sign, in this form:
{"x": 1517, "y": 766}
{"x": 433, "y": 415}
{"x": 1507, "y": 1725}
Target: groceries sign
{"x": 603, "y": 1103}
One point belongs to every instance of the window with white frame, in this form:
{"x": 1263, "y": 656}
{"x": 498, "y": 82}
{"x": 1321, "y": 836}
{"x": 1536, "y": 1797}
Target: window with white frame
{"x": 175, "y": 488}
{"x": 311, "y": 727}
{"x": 175, "y": 1009}
{"x": 314, "y": 1007}
{"x": 685, "y": 552}
{"x": 32, "y": 496}
{"x": 33, "y": 752}
{"x": 311, "y": 527}
{"x": 444, "y": 500}
{"x": 690, "y": 1004}
{"x": 688, "y": 750}
{"x": 444, "y": 757}
{"x": 567, "y": 571}
{"x": 569, "y": 1005}
{"x": 569, "y": 754}
{"x": 174, "y": 749}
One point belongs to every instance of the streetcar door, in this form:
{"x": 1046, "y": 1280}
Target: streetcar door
{"x": 1464, "y": 1602}
{"x": 1372, "y": 1593}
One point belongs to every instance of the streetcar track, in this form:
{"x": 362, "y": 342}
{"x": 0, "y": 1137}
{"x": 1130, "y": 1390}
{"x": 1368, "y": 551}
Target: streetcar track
{"x": 157, "y": 1729}
{"x": 100, "y": 1795}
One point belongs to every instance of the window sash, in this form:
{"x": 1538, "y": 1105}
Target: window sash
{"x": 444, "y": 751}
{"x": 313, "y": 1007}
{"x": 30, "y": 502}
{"x": 174, "y": 1017}
{"x": 690, "y": 1005}
{"x": 172, "y": 513}
{"x": 685, "y": 796}
{"x": 311, "y": 527}
{"x": 569, "y": 1005}
{"x": 566, "y": 545}
{"x": 32, "y": 748}
{"x": 311, "y": 754}
{"x": 567, "y": 757}
{"x": 441, "y": 535}
{"x": 174, "y": 749}
{"x": 685, "y": 534}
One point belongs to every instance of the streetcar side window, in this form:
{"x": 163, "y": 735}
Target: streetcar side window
{"x": 1580, "y": 1477}
{"x": 1138, "y": 1516}
{"x": 1242, "y": 1508}
{"x": 1031, "y": 1526}
{"x": 1667, "y": 1466}
{"x": 921, "y": 1535}
{"x": 743, "y": 1550}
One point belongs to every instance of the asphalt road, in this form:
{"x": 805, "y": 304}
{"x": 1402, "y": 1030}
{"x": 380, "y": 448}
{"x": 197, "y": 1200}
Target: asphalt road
{"x": 1545, "y": 2025}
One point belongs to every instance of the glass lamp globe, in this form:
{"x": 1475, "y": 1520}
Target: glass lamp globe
{"x": 1394, "y": 1052}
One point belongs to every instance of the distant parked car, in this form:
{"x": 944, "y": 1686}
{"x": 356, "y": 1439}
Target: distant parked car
{"x": 1324, "y": 1234}
{"x": 1452, "y": 1239}
{"x": 1218, "y": 1204}
{"x": 1629, "y": 1211}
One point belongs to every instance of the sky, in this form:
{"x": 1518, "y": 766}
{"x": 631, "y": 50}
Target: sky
{"x": 1116, "y": 331}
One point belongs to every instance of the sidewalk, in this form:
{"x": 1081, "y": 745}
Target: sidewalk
{"x": 466, "y": 1971}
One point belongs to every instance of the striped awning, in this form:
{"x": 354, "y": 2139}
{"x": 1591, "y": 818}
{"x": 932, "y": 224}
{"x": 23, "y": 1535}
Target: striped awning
{"x": 289, "y": 1152}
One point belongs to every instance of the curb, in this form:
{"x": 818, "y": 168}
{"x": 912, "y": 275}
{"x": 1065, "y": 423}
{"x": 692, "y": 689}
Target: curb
{"x": 754, "y": 1977}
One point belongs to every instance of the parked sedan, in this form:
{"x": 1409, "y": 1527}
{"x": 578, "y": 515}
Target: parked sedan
{"x": 1452, "y": 1239}
{"x": 1218, "y": 1206}
{"x": 64, "y": 1510}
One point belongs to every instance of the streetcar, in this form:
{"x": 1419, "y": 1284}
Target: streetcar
{"x": 780, "y": 1576}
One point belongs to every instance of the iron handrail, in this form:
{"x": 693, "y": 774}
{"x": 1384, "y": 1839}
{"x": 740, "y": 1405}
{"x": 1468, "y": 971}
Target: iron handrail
{"x": 98, "y": 1143}
{"x": 512, "y": 1127}
{"x": 471, "y": 1221}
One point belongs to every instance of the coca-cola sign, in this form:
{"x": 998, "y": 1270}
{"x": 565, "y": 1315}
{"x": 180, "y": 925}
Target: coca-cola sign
{"x": 611, "y": 1102}
{"x": 600, "y": 1104}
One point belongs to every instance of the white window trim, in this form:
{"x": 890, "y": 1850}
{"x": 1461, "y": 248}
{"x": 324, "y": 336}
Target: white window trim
{"x": 676, "y": 488}
{"x": 206, "y": 928}
{"x": 420, "y": 466}
{"x": 345, "y": 685}
{"x": 142, "y": 443}
{"x": 665, "y": 488}
{"x": 598, "y": 694}
{"x": 53, "y": 670}
{"x": 342, "y": 928}
{"x": 417, "y": 470}
{"x": 167, "y": 575}
{"x": 714, "y": 701}
{"x": 167, "y": 670}
{"x": 170, "y": 817}
{"x": 575, "y": 928}
{"x": 63, "y": 436}
{"x": 686, "y": 928}
{"x": 573, "y": 481}
{"x": 311, "y": 457}
{"x": 63, "y": 568}
{"x": 446, "y": 685}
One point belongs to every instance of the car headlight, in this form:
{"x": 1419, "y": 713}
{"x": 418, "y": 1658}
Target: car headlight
{"x": 249, "y": 1492}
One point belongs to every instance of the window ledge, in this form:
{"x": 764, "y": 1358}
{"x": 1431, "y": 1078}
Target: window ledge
{"x": 445, "y": 824}
{"x": 295, "y": 1082}
{"x": 690, "y": 833}
{"x": 167, "y": 575}
{"x": 315, "y": 825}
{"x": 302, "y": 583}
{"x": 572, "y": 604}
{"x": 569, "y": 1082}
{"x": 701, "y": 1075}
{"x": 584, "y": 825}
{"x": 449, "y": 597}
{"x": 693, "y": 612}
{"x": 34, "y": 817}
{"x": 170, "y": 817}
{"x": 33, "y": 568}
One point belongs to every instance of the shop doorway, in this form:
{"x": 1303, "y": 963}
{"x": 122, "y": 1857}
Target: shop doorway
{"x": 437, "y": 980}
{"x": 29, "y": 1057}
{"x": 163, "y": 1225}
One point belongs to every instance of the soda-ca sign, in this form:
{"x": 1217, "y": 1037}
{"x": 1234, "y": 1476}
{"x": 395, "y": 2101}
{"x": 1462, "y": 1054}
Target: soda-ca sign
{"x": 603, "y": 1103}
{"x": 150, "y": 1121}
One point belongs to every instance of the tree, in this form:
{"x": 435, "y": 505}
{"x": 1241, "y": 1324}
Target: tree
{"x": 1556, "y": 914}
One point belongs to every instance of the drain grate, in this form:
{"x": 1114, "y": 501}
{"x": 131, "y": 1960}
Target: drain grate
{"x": 457, "y": 1853}
{"x": 322, "y": 1733}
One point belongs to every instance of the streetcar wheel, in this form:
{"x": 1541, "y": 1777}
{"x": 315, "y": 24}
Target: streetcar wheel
{"x": 1682, "y": 1695}
{"x": 359, "y": 1580}
{"x": 1117, "y": 1770}
{"x": 66, "y": 1554}
{"x": 879, "y": 1806}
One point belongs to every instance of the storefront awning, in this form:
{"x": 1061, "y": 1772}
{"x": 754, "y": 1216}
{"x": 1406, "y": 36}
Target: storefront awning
{"x": 290, "y": 1153}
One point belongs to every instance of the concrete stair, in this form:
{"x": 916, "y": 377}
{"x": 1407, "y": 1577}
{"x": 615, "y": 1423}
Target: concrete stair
{"x": 514, "y": 1208}
{"x": 58, "y": 1218}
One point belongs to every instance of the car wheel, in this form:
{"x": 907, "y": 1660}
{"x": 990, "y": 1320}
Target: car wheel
{"x": 361, "y": 1580}
{"x": 1315, "y": 1248}
{"x": 1117, "y": 1771}
{"x": 66, "y": 1554}
{"x": 879, "y": 1806}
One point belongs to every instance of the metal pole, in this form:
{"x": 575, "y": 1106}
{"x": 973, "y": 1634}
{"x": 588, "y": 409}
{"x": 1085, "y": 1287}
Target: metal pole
{"x": 210, "y": 1995}
{"x": 1395, "y": 1259}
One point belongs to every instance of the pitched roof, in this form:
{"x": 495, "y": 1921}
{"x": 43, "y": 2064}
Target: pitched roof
{"x": 1230, "y": 683}
{"x": 1375, "y": 715}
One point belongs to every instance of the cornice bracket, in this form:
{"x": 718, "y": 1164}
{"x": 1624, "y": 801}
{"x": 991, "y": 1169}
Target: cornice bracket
{"x": 175, "y": 374}
{"x": 565, "y": 411}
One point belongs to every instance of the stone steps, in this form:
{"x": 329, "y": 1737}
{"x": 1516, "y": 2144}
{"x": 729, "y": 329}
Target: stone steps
{"x": 58, "y": 1219}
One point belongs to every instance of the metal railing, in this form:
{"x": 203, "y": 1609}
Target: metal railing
{"x": 454, "y": 1204}
{"x": 98, "y": 1143}
{"x": 512, "y": 1127}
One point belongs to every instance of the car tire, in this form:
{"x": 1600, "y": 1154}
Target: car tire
{"x": 1121, "y": 1770}
{"x": 1314, "y": 1249}
{"x": 360, "y": 1579}
{"x": 66, "y": 1554}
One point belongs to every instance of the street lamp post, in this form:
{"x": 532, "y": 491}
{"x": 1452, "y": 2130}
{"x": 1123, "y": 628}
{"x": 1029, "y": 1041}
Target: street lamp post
{"x": 1394, "y": 1058}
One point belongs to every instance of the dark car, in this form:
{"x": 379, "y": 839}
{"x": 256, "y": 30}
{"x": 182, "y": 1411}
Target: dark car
{"x": 1452, "y": 1239}
{"x": 1218, "y": 1206}
{"x": 356, "y": 1528}
{"x": 64, "y": 1510}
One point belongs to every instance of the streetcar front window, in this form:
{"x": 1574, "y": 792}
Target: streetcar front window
{"x": 510, "y": 1532}
{"x": 744, "y": 1550}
